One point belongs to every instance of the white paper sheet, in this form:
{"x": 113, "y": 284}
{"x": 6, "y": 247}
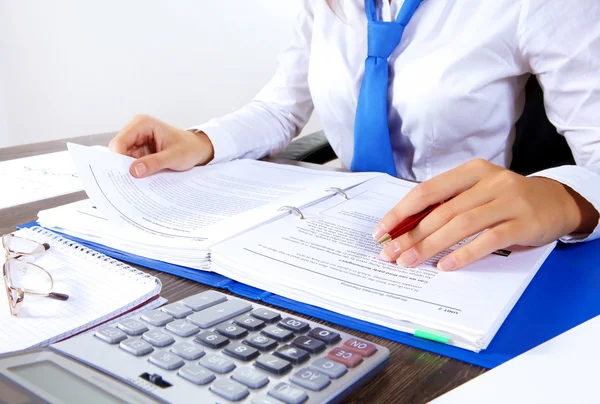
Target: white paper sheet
{"x": 562, "y": 370}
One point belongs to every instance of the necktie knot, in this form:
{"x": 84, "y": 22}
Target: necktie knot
{"x": 383, "y": 38}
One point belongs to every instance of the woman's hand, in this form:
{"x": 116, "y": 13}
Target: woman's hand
{"x": 516, "y": 210}
{"x": 157, "y": 146}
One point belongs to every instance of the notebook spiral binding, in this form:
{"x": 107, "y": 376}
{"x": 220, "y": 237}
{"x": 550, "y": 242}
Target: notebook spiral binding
{"x": 78, "y": 250}
{"x": 298, "y": 212}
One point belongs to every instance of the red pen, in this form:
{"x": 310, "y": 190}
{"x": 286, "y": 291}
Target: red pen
{"x": 407, "y": 224}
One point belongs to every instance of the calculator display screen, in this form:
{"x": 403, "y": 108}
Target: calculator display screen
{"x": 62, "y": 384}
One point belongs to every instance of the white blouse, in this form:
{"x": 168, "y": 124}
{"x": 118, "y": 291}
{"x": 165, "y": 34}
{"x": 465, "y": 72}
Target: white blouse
{"x": 456, "y": 85}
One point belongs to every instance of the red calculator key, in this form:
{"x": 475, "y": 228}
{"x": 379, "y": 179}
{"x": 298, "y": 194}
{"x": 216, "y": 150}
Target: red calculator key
{"x": 360, "y": 347}
{"x": 345, "y": 357}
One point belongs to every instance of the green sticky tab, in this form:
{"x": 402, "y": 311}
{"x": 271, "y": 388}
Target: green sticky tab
{"x": 433, "y": 337}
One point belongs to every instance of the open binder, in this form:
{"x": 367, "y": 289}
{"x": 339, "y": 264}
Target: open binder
{"x": 564, "y": 293}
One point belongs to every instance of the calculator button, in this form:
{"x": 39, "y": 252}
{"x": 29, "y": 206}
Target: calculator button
{"x": 182, "y": 328}
{"x": 294, "y": 324}
{"x": 329, "y": 368}
{"x": 250, "y": 377}
{"x": 166, "y": 360}
{"x": 328, "y": 337}
{"x": 204, "y": 300}
{"x": 177, "y": 310}
{"x": 158, "y": 338}
{"x": 345, "y": 357}
{"x": 211, "y": 340}
{"x": 278, "y": 334}
{"x": 187, "y": 351}
{"x": 273, "y": 364}
{"x": 217, "y": 363}
{"x": 292, "y": 354}
{"x": 137, "y": 347}
{"x": 362, "y": 348}
{"x": 196, "y": 374}
{"x": 241, "y": 351}
{"x": 249, "y": 323}
{"x": 309, "y": 344}
{"x": 157, "y": 318}
{"x": 132, "y": 326}
{"x": 266, "y": 315}
{"x": 229, "y": 389}
{"x": 310, "y": 379}
{"x": 289, "y": 394}
{"x": 231, "y": 331}
{"x": 111, "y": 335}
{"x": 261, "y": 342}
{"x": 219, "y": 313}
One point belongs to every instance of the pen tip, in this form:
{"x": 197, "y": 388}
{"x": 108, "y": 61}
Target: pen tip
{"x": 384, "y": 239}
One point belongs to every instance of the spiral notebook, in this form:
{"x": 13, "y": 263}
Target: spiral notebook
{"x": 100, "y": 290}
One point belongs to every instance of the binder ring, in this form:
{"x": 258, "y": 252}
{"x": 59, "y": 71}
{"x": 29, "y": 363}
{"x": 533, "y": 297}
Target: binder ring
{"x": 293, "y": 210}
{"x": 338, "y": 191}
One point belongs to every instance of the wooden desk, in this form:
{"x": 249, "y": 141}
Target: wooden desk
{"x": 412, "y": 376}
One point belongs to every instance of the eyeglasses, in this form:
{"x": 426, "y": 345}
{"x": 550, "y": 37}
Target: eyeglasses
{"x": 23, "y": 277}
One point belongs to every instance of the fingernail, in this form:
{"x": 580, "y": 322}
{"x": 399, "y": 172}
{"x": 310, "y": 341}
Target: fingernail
{"x": 140, "y": 169}
{"x": 379, "y": 231}
{"x": 408, "y": 258}
{"x": 447, "y": 263}
{"x": 390, "y": 252}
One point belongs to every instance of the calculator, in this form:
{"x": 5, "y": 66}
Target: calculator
{"x": 215, "y": 348}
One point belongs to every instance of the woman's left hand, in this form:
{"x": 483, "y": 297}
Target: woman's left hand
{"x": 515, "y": 210}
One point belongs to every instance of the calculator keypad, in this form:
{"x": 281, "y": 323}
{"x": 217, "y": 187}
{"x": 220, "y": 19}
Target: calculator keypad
{"x": 235, "y": 351}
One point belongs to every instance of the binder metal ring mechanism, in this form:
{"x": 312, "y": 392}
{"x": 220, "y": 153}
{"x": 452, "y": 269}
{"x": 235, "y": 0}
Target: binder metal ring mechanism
{"x": 338, "y": 191}
{"x": 298, "y": 212}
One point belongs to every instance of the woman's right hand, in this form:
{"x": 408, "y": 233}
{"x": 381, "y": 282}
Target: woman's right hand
{"x": 158, "y": 146}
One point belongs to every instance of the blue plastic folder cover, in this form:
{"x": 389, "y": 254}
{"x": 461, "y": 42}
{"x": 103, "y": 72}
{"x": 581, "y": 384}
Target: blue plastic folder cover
{"x": 564, "y": 293}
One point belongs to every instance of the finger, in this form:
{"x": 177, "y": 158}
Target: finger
{"x": 464, "y": 225}
{"x": 437, "y": 189}
{"x": 136, "y": 133}
{"x": 476, "y": 196}
{"x": 153, "y": 163}
{"x": 499, "y": 237}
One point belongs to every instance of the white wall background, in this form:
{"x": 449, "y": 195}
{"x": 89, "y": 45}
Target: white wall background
{"x": 71, "y": 68}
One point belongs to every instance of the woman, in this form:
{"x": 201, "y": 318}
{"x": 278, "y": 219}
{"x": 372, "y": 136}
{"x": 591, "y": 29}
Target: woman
{"x": 428, "y": 91}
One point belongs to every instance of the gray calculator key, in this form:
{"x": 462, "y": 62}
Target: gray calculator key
{"x": 188, "y": 351}
{"x": 229, "y": 389}
{"x": 311, "y": 345}
{"x": 132, "y": 326}
{"x": 278, "y": 334}
{"x": 137, "y": 347}
{"x": 204, "y": 300}
{"x": 158, "y": 338}
{"x": 329, "y": 368}
{"x": 292, "y": 354}
{"x": 241, "y": 351}
{"x": 294, "y": 324}
{"x": 231, "y": 331}
{"x": 264, "y": 400}
{"x": 266, "y": 315}
{"x": 250, "y": 377}
{"x": 211, "y": 340}
{"x": 273, "y": 364}
{"x": 288, "y": 393}
{"x": 219, "y": 313}
{"x": 183, "y": 328}
{"x": 261, "y": 342}
{"x": 157, "y": 318}
{"x": 166, "y": 360}
{"x": 250, "y": 323}
{"x": 177, "y": 310}
{"x": 217, "y": 363}
{"x": 310, "y": 379}
{"x": 111, "y": 335}
{"x": 327, "y": 336}
{"x": 196, "y": 374}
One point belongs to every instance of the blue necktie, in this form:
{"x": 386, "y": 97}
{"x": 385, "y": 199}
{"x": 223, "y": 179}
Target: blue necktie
{"x": 372, "y": 145}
